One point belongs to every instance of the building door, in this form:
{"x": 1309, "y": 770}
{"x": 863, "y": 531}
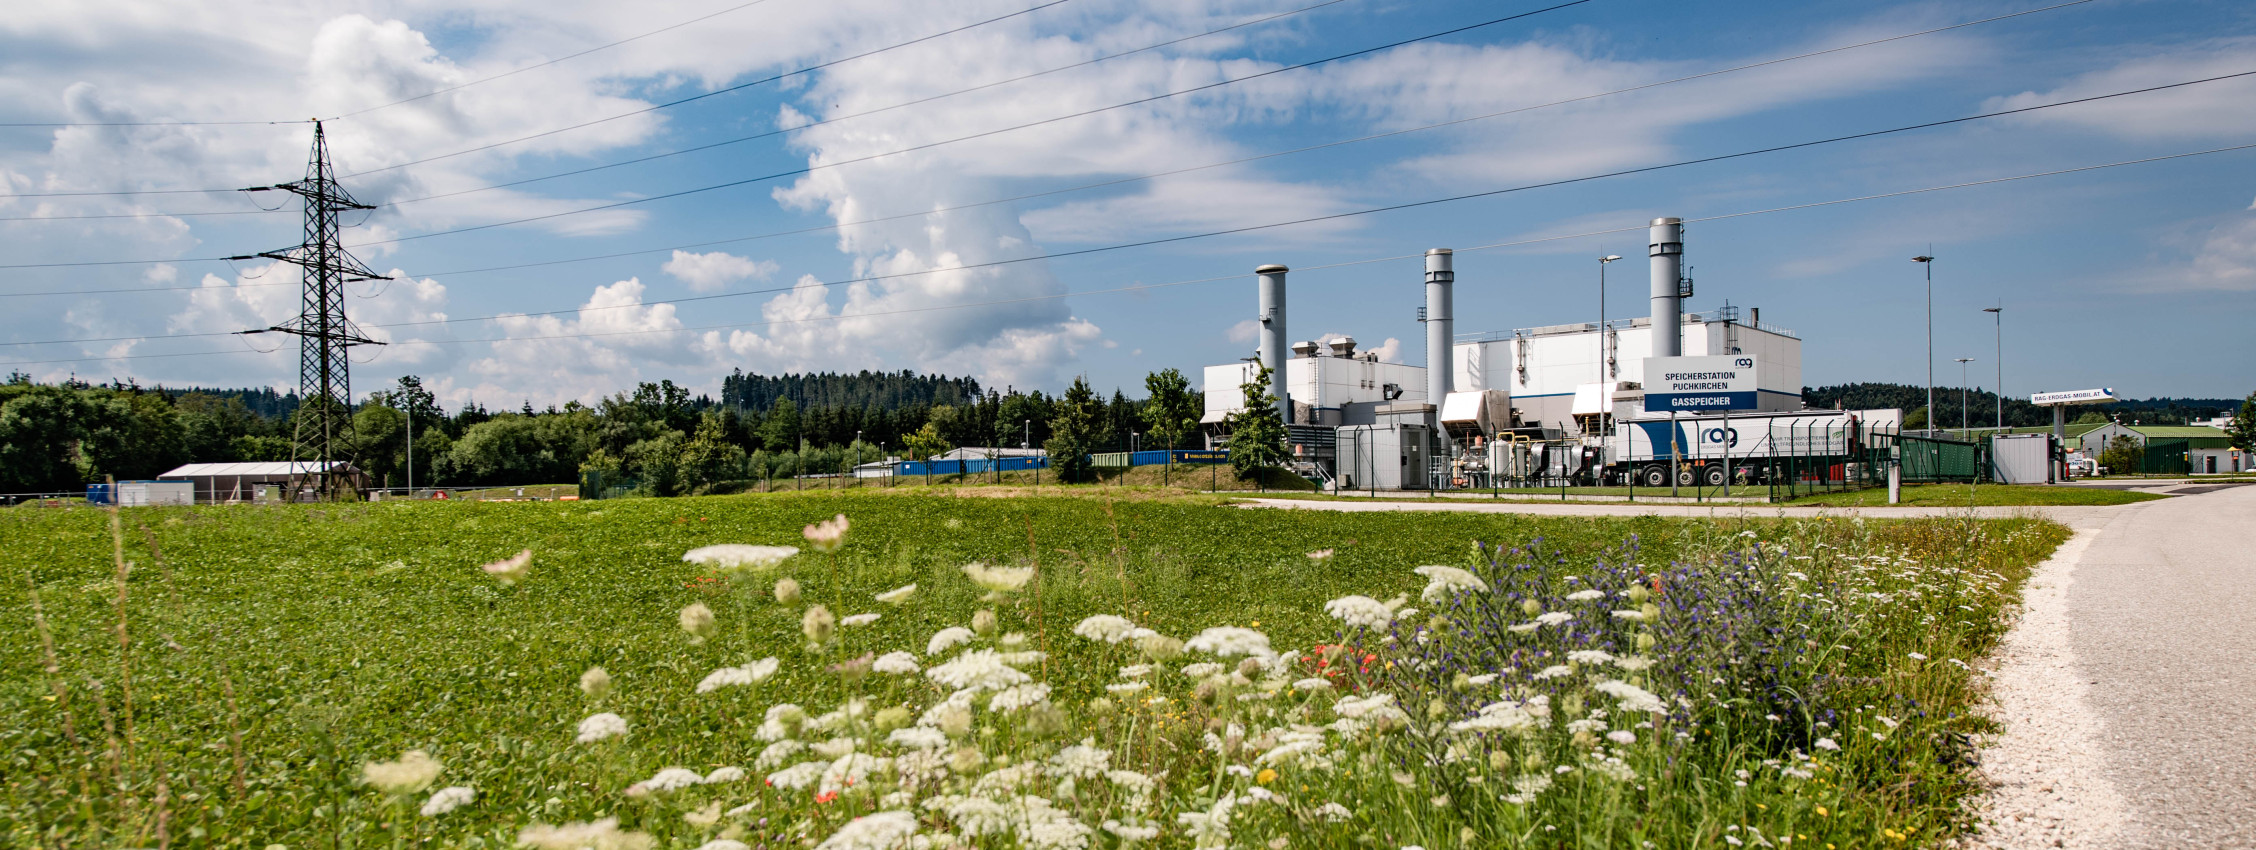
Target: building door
{"x": 2211, "y": 464}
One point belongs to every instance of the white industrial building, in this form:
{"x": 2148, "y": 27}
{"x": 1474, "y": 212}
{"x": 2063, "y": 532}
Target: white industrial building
{"x": 1556, "y": 378}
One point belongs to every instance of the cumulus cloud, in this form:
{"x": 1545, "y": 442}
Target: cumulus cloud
{"x": 2205, "y": 111}
{"x": 708, "y": 272}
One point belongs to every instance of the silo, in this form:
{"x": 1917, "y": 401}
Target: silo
{"x": 1272, "y": 352}
{"x": 1440, "y": 280}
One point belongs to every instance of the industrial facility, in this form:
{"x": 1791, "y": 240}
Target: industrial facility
{"x": 1564, "y": 401}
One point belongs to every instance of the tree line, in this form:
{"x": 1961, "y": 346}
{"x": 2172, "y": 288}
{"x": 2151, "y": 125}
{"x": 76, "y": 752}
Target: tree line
{"x": 1981, "y": 410}
{"x": 658, "y": 437}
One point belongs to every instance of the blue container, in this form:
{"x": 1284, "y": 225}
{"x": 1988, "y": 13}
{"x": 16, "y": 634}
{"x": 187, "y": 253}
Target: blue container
{"x": 1147, "y": 458}
{"x": 99, "y": 494}
{"x": 1202, "y": 455}
{"x": 970, "y": 466}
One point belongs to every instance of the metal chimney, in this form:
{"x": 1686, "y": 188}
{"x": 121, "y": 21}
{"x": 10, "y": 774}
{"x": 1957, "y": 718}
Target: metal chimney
{"x": 1440, "y": 279}
{"x": 1667, "y": 250}
{"x": 1273, "y": 334}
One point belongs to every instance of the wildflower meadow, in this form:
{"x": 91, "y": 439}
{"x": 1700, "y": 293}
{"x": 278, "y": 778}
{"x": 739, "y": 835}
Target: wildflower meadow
{"x": 921, "y": 671}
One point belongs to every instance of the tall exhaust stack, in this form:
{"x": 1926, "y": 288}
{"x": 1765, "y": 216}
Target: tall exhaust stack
{"x": 1667, "y": 250}
{"x": 1440, "y": 279}
{"x": 1273, "y": 334}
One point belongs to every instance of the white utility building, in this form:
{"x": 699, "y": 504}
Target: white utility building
{"x": 1557, "y": 380}
{"x": 1329, "y": 385}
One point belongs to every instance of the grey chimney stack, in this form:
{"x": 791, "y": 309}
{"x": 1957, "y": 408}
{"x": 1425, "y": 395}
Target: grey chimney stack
{"x": 1273, "y": 334}
{"x": 1667, "y": 250}
{"x": 1440, "y": 279}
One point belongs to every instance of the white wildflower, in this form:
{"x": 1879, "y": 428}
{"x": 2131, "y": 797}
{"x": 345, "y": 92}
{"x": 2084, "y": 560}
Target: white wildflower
{"x": 1623, "y": 737}
{"x": 739, "y": 556}
{"x": 818, "y": 623}
{"x": 1506, "y": 716}
{"x": 1916, "y": 656}
{"x": 881, "y": 831}
{"x": 1110, "y": 628}
{"x": 1334, "y": 812}
{"x": 828, "y": 535}
{"x": 998, "y": 580}
{"x": 597, "y": 835}
{"x": 1135, "y": 671}
{"x": 1552, "y": 672}
{"x": 1016, "y": 697}
{"x": 1482, "y": 679}
{"x": 1633, "y": 616}
{"x": 414, "y": 771}
{"x": 722, "y": 678}
{"x": 448, "y": 799}
{"x": 980, "y": 669}
{"x": 601, "y": 726}
{"x": 1360, "y": 612}
{"x": 798, "y": 776}
{"x": 724, "y": 774}
{"x": 1553, "y": 618}
{"x": 1590, "y": 656}
{"x": 1633, "y": 663}
{"x": 1202, "y": 669}
{"x": 1523, "y": 628}
{"x": 917, "y": 738}
{"x": 1321, "y": 556}
{"x": 1633, "y": 698}
{"x": 1358, "y": 706}
{"x": 1127, "y": 687}
{"x": 697, "y": 620}
{"x": 1887, "y": 721}
{"x": 724, "y": 844}
{"x": 512, "y": 569}
{"x": 1227, "y": 641}
{"x": 1131, "y": 832}
{"x": 1826, "y": 744}
{"x": 1312, "y": 684}
{"x": 1586, "y": 595}
{"x": 1084, "y": 760}
{"x": 947, "y": 639}
{"x": 777, "y": 753}
{"x": 898, "y": 662}
{"x": 596, "y": 682}
{"x": 851, "y": 770}
{"x": 858, "y": 620}
{"x": 897, "y": 595}
{"x": 1443, "y": 581}
{"x": 672, "y": 779}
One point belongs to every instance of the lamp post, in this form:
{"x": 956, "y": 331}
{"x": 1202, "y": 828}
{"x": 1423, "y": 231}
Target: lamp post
{"x": 1929, "y": 263}
{"x": 1602, "y": 372}
{"x": 1998, "y": 312}
{"x": 1962, "y": 394}
{"x": 1026, "y": 442}
{"x": 857, "y": 458}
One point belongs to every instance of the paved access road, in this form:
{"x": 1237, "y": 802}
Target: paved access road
{"x": 2161, "y": 622}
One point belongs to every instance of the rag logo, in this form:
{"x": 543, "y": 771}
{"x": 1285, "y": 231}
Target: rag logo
{"x": 1744, "y": 362}
{"x": 1727, "y": 436}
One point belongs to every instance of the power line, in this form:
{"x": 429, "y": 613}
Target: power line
{"x": 152, "y": 123}
{"x": 919, "y": 101}
{"x": 714, "y": 93}
{"x": 1123, "y": 180}
{"x": 769, "y": 134}
{"x": 980, "y": 135}
{"x": 1490, "y": 246}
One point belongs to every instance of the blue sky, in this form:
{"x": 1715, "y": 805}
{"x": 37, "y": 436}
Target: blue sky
{"x": 2139, "y": 277}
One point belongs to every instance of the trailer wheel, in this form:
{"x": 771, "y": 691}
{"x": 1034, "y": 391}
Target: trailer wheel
{"x": 1655, "y": 475}
{"x": 1686, "y": 476}
{"x": 1712, "y": 475}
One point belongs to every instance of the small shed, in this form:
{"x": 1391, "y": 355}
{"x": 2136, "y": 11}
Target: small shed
{"x": 229, "y": 483}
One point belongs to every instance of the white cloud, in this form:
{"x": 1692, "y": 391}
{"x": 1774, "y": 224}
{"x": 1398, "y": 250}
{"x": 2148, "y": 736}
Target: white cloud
{"x": 609, "y": 344}
{"x": 2208, "y": 110}
{"x": 708, "y": 272}
{"x": 1244, "y": 332}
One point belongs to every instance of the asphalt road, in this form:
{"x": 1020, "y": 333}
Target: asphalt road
{"x": 2162, "y": 625}
{"x": 2072, "y": 515}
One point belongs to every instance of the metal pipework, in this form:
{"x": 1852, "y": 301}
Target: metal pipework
{"x": 1273, "y": 334}
{"x": 1667, "y": 250}
{"x": 1440, "y": 280}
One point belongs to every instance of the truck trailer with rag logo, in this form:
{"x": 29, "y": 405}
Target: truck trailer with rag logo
{"x": 1708, "y": 449}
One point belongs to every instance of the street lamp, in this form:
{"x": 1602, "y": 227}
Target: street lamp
{"x": 1998, "y": 312}
{"x": 1962, "y": 393}
{"x": 1929, "y": 263}
{"x": 857, "y": 458}
{"x": 1602, "y": 261}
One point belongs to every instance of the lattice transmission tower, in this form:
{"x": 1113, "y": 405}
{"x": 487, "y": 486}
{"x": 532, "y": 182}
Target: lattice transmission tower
{"x": 324, "y": 420}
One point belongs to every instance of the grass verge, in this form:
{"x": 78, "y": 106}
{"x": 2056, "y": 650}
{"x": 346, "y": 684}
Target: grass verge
{"x": 270, "y": 655}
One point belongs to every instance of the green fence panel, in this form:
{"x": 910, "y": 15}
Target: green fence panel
{"x": 2165, "y": 457}
{"x": 1109, "y": 459}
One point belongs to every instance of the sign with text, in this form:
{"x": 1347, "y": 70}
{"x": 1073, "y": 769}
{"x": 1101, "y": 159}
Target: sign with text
{"x": 1716, "y": 382}
{"x": 2075, "y": 397}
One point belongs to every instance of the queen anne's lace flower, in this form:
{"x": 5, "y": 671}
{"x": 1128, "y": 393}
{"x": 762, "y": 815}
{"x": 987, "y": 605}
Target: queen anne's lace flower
{"x": 828, "y": 535}
{"x": 1227, "y": 641}
{"x": 599, "y": 835}
{"x": 448, "y": 799}
{"x": 1506, "y": 716}
{"x": 672, "y": 779}
{"x": 777, "y": 753}
{"x": 858, "y": 620}
{"x": 895, "y": 663}
{"x": 414, "y": 772}
{"x": 1442, "y": 582}
{"x": 947, "y": 639}
{"x": 598, "y": 727}
{"x": 512, "y": 569}
{"x": 739, "y": 556}
{"x": 1586, "y": 595}
{"x": 724, "y": 774}
{"x": 980, "y": 669}
{"x": 1633, "y": 698}
{"x": 1110, "y": 628}
{"x": 697, "y": 620}
{"x": 798, "y": 776}
{"x": 897, "y": 595}
{"x": 998, "y": 580}
{"x": 1553, "y": 618}
{"x": 888, "y": 830}
{"x": 1084, "y": 760}
{"x": 1016, "y": 697}
{"x": 596, "y": 682}
{"x": 917, "y": 738}
{"x": 1590, "y": 656}
{"x": 1360, "y": 612}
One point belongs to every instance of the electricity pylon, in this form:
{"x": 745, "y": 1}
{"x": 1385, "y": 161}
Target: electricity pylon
{"x": 324, "y": 417}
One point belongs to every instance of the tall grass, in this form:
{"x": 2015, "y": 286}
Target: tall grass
{"x": 273, "y": 655}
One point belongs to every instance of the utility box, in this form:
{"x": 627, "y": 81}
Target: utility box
{"x": 1382, "y": 457}
{"x": 2021, "y": 458}
{"x": 137, "y": 494}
